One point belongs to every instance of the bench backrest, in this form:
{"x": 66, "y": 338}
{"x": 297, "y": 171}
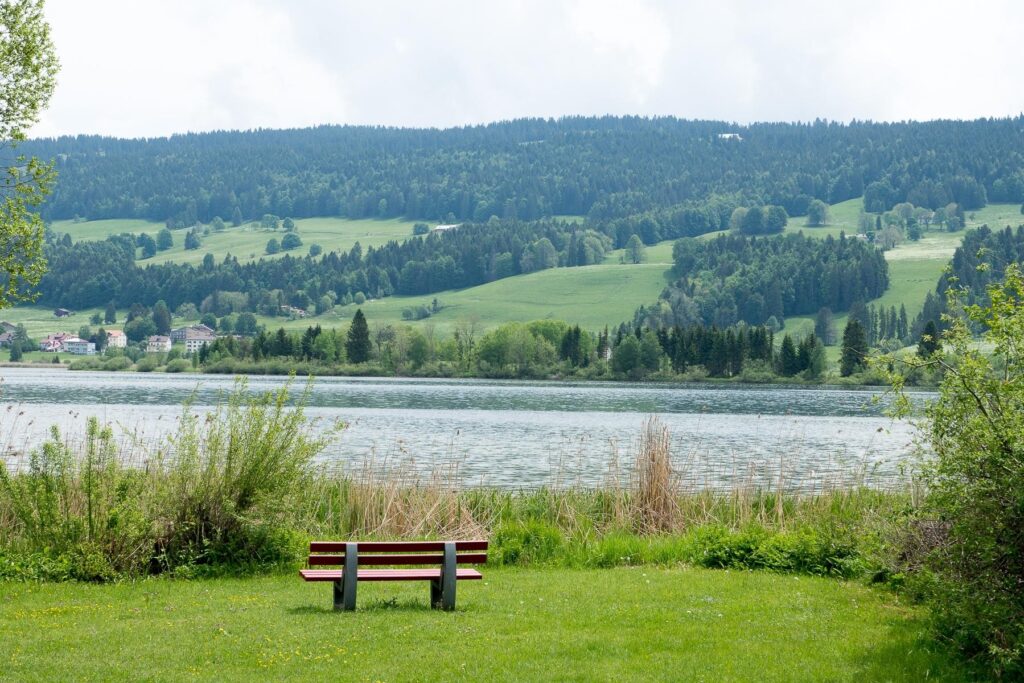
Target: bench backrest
{"x": 387, "y": 553}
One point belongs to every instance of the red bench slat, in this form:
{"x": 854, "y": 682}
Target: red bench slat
{"x": 395, "y": 546}
{"x": 387, "y": 574}
{"x": 377, "y": 560}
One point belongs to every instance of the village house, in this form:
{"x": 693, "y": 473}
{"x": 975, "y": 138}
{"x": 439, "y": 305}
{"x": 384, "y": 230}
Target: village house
{"x": 445, "y": 227}
{"x": 158, "y": 344}
{"x": 61, "y": 312}
{"x": 7, "y": 327}
{"x": 196, "y": 340}
{"x": 116, "y": 339}
{"x": 181, "y": 334}
{"x": 6, "y": 339}
{"x": 54, "y": 343}
{"x": 79, "y": 347}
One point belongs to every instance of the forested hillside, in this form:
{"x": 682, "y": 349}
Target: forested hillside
{"x": 734, "y": 278}
{"x": 978, "y": 263}
{"x": 525, "y": 169}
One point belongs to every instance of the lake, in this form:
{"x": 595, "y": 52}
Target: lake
{"x": 514, "y": 434}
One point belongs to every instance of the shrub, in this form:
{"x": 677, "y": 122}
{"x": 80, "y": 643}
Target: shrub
{"x": 222, "y": 496}
{"x": 117, "y": 363}
{"x": 976, "y": 478}
{"x": 178, "y": 365}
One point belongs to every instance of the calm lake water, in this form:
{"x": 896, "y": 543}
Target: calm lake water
{"x": 513, "y": 434}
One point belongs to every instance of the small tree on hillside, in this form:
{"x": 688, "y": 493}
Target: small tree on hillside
{"x": 635, "y": 249}
{"x": 817, "y": 213}
{"x": 825, "y": 327}
{"x": 164, "y": 239}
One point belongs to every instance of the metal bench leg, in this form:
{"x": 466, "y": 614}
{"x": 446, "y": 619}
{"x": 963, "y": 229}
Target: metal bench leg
{"x": 447, "y": 582}
{"x": 345, "y": 590}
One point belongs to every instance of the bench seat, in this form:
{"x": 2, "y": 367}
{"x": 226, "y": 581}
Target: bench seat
{"x": 387, "y": 574}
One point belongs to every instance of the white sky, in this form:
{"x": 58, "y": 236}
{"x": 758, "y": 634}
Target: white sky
{"x": 155, "y": 67}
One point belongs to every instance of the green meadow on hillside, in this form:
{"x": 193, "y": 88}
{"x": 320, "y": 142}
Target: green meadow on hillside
{"x": 593, "y": 296}
{"x": 249, "y": 242}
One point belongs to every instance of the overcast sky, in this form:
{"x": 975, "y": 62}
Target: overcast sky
{"x": 149, "y": 68}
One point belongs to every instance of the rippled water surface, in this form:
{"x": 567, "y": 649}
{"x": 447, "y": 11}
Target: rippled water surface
{"x": 515, "y": 434}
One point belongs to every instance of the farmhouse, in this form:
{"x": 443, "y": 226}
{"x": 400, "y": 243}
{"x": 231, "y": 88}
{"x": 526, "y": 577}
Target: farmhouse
{"x": 7, "y": 327}
{"x": 730, "y": 136}
{"x": 158, "y": 344}
{"x": 445, "y": 227}
{"x": 79, "y": 347}
{"x": 61, "y": 312}
{"x": 6, "y": 338}
{"x": 116, "y": 339}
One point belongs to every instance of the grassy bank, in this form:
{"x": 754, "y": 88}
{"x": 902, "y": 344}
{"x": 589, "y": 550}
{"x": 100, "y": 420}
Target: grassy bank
{"x": 517, "y": 624}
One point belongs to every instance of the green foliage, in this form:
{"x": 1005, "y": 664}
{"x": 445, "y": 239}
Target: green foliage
{"x": 976, "y": 477}
{"x": 735, "y": 278}
{"x": 855, "y": 348}
{"x": 164, "y": 239}
{"x": 219, "y": 495}
{"x": 635, "y": 249}
{"x": 817, "y": 213}
{"x": 357, "y": 346}
{"x": 290, "y": 241}
{"x": 28, "y": 68}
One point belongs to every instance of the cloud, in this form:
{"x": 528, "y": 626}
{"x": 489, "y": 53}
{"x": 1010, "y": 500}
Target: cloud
{"x": 148, "y": 69}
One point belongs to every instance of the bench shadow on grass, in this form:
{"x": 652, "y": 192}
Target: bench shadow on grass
{"x": 389, "y": 606}
{"x": 909, "y": 654}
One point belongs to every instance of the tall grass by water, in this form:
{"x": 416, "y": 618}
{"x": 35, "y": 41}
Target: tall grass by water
{"x": 241, "y": 489}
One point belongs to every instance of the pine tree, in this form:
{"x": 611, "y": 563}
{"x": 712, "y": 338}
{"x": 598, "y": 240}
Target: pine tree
{"x": 162, "y": 318}
{"x": 789, "y": 363}
{"x": 358, "y": 344}
{"x": 110, "y": 314}
{"x": 855, "y": 348}
{"x": 929, "y": 342}
{"x": 236, "y": 217}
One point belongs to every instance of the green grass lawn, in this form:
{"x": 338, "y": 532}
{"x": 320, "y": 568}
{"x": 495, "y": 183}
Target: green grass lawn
{"x": 641, "y": 623}
{"x": 39, "y": 321}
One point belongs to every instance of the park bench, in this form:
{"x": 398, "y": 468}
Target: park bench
{"x": 352, "y": 557}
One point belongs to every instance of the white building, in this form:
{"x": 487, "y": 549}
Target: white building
{"x": 181, "y": 334}
{"x": 79, "y": 347}
{"x": 158, "y": 344}
{"x": 196, "y": 341}
{"x": 54, "y": 343}
{"x": 116, "y": 339}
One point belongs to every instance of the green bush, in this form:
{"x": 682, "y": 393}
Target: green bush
{"x": 975, "y": 507}
{"x": 178, "y": 365}
{"x": 222, "y": 495}
{"x": 117, "y": 363}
